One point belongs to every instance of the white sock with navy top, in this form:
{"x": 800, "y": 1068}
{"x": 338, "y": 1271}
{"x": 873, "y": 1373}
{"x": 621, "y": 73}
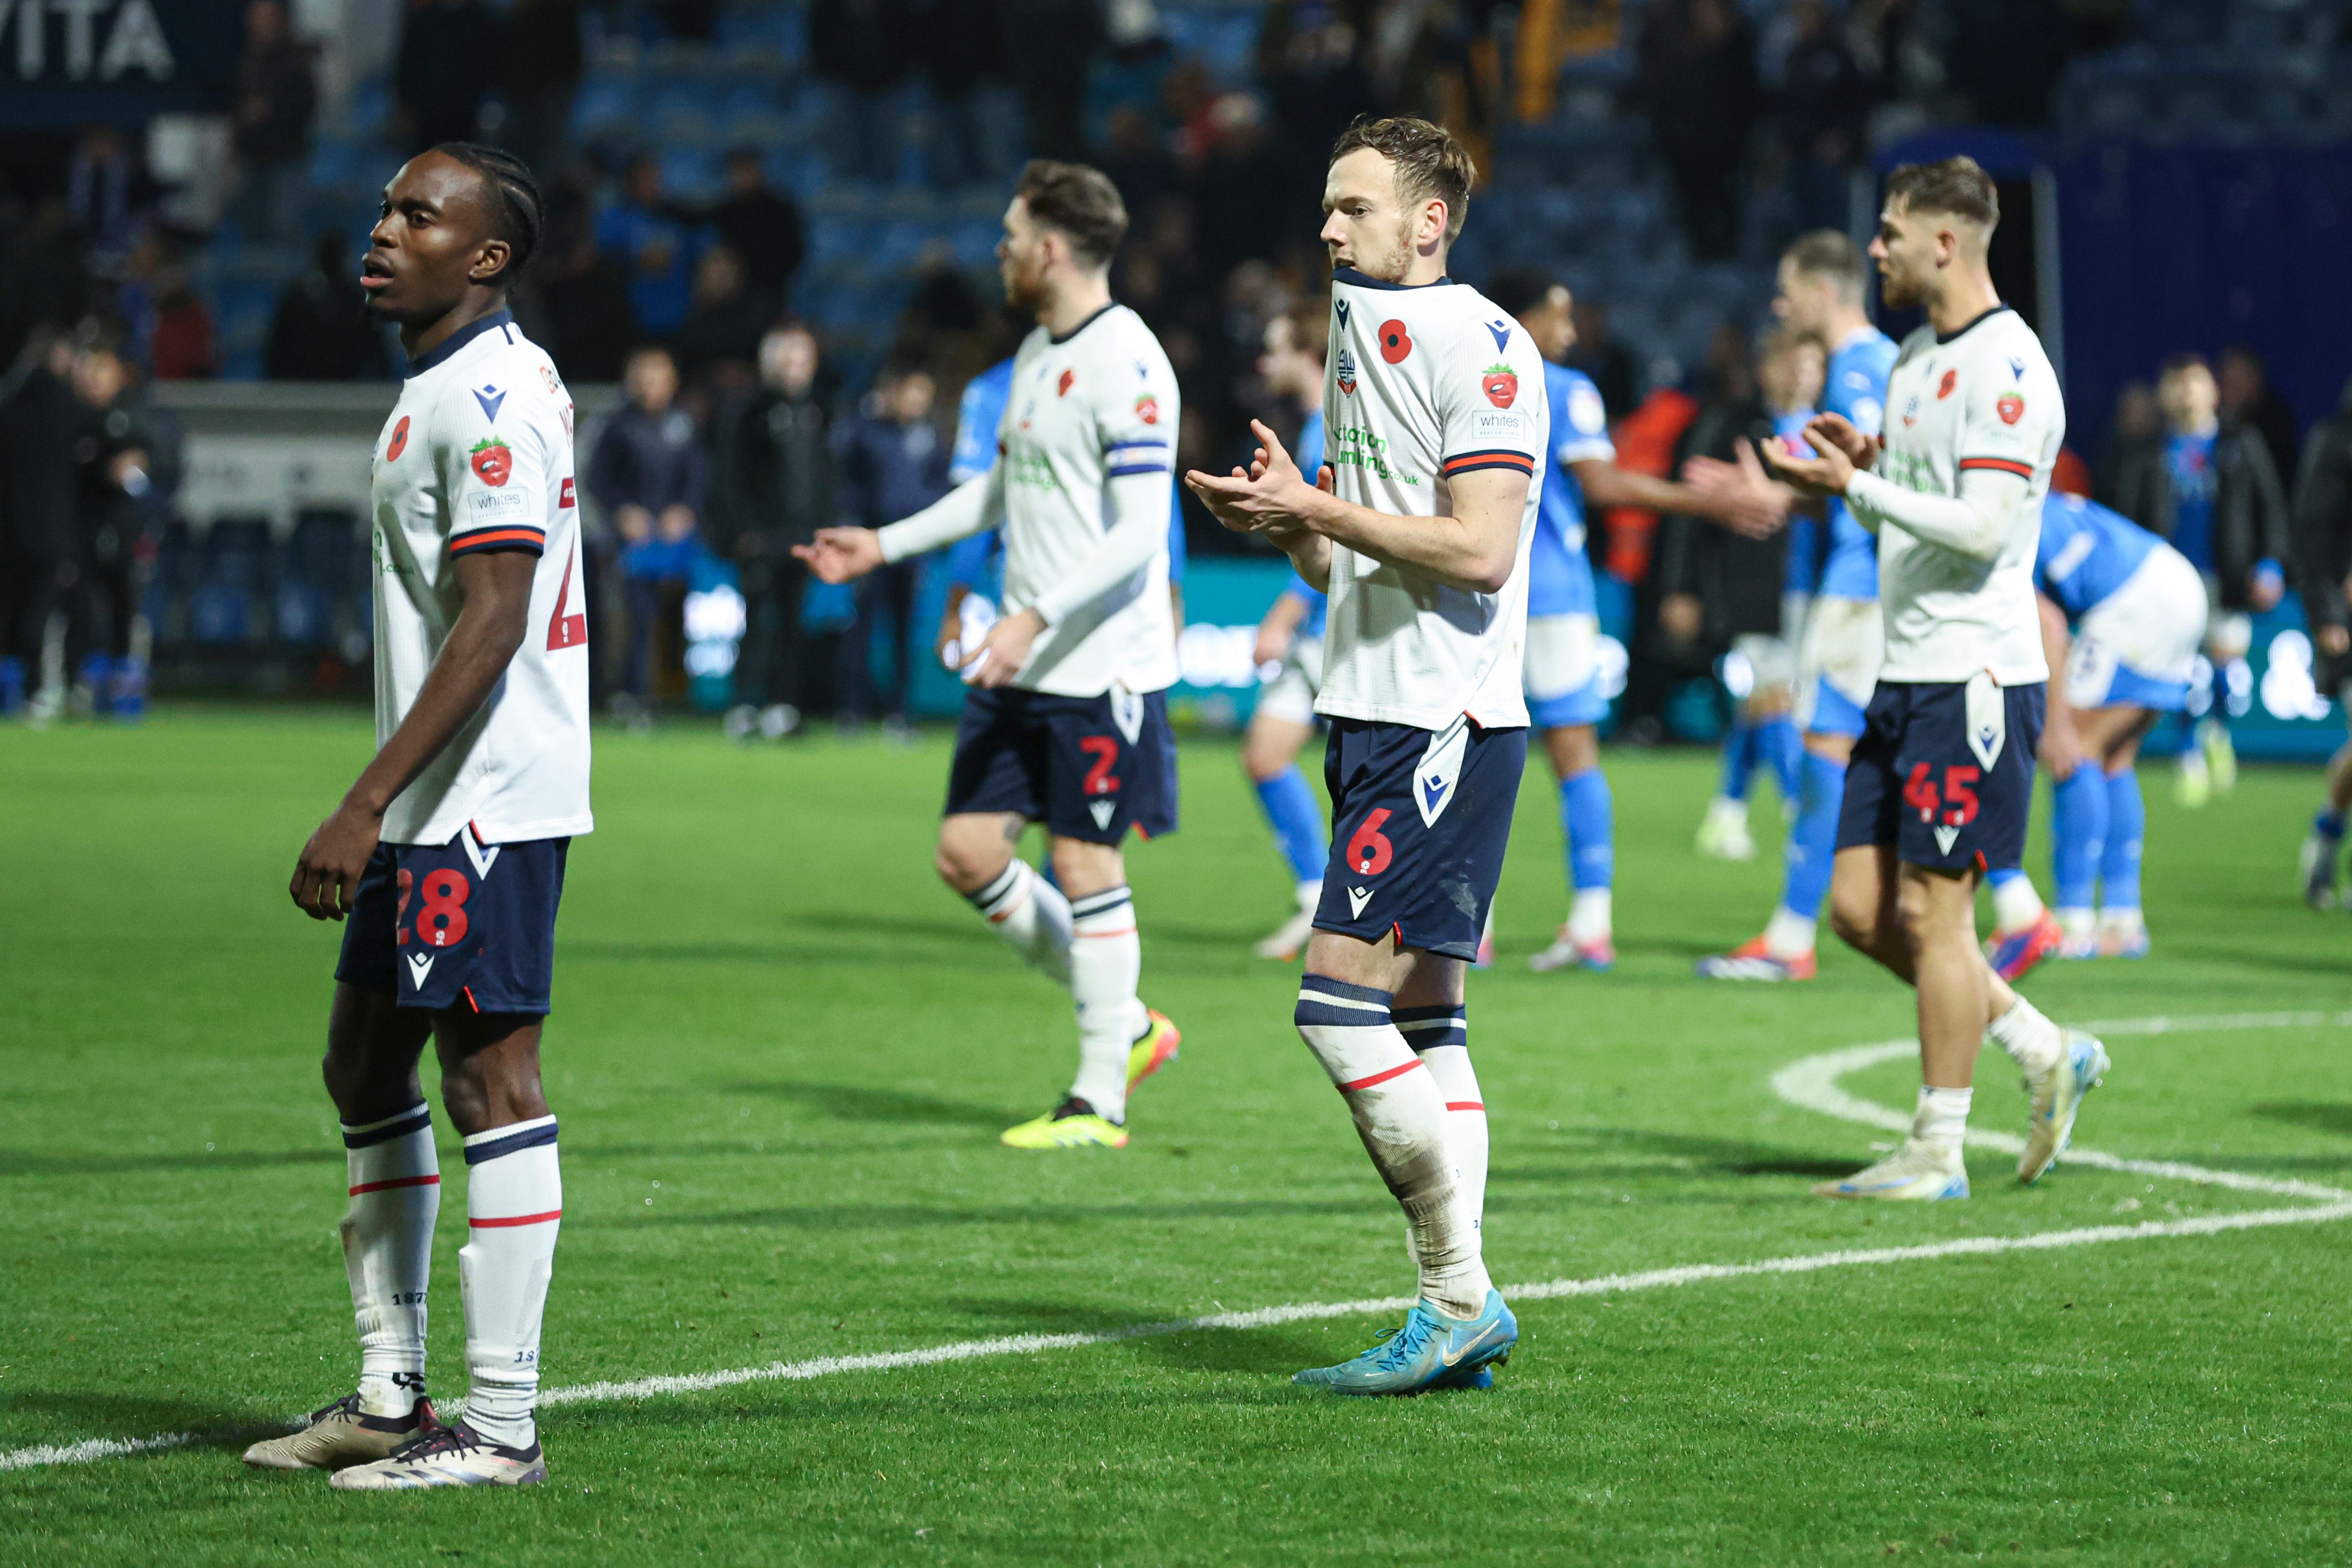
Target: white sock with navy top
{"x": 1401, "y": 1114}
{"x": 1440, "y": 1036}
{"x": 1106, "y": 965}
{"x": 514, "y": 1203}
{"x": 387, "y": 1231}
{"x": 1032, "y": 917}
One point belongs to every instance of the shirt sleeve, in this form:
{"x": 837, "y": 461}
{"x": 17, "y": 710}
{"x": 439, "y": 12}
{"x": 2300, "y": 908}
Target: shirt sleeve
{"x": 1581, "y": 427}
{"x": 1492, "y": 404}
{"x": 493, "y": 455}
{"x": 1136, "y": 418}
{"x": 1857, "y": 391}
{"x": 2005, "y": 428}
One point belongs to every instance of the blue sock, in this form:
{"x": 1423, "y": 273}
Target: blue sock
{"x": 1297, "y": 821}
{"x": 2126, "y": 827}
{"x": 1739, "y": 756}
{"x": 1589, "y": 817}
{"x": 1784, "y": 748}
{"x": 2329, "y": 824}
{"x": 2078, "y": 833}
{"x": 1812, "y": 840}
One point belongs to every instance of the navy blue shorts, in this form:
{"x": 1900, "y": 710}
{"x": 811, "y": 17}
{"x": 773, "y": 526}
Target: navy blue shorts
{"x": 460, "y": 924}
{"x": 1419, "y": 823}
{"x": 1942, "y": 792}
{"x": 1088, "y": 768}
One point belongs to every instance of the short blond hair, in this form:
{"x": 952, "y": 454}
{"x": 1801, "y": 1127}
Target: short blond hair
{"x": 1431, "y": 162}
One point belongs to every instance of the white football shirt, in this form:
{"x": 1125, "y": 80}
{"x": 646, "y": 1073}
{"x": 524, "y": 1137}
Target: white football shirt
{"x": 1097, "y": 404}
{"x": 477, "y": 458}
{"x": 1982, "y": 398}
{"x": 1423, "y": 384}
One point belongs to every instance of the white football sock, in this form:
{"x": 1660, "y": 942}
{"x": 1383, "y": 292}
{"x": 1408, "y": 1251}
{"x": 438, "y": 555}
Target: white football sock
{"x": 1441, "y": 1038}
{"x": 1400, "y": 1116}
{"x": 395, "y": 1182}
{"x": 1106, "y": 962}
{"x": 2077, "y": 924}
{"x": 1789, "y": 935}
{"x": 2033, "y": 1041}
{"x": 1588, "y": 916}
{"x": 2118, "y": 921}
{"x": 1942, "y": 1118}
{"x": 514, "y": 1205}
{"x": 2015, "y": 905}
{"x": 1032, "y": 916}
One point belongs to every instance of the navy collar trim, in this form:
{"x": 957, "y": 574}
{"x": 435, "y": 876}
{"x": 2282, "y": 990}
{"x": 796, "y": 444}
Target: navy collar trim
{"x": 459, "y": 340}
{"x": 1065, "y": 337}
{"x": 1354, "y": 280}
{"x": 1970, "y": 326}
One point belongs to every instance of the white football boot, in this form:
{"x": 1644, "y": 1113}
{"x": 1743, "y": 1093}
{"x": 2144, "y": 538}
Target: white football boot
{"x": 454, "y": 1455}
{"x": 1916, "y": 1173}
{"x": 2057, "y": 1093}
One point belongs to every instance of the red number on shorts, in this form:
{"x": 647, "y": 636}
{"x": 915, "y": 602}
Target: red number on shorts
{"x": 442, "y": 920}
{"x": 400, "y": 919}
{"x": 1963, "y": 799}
{"x": 1369, "y": 852}
{"x": 1100, "y": 777}
{"x": 1920, "y": 793}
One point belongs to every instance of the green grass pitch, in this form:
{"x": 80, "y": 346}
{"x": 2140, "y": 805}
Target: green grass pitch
{"x": 782, "y": 1053}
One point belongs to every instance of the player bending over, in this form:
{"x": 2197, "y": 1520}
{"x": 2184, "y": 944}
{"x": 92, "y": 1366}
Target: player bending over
{"x": 1838, "y": 655}
{"x": 1943, "y": 775}
{"x": 2322, "y": 549}
{"x": 446, "y": 860}
{"x": 1419, "y": 536}
{"x": 1561, "y": 668}
{"x": 1065, "y": 720}
{"x": 1291, "y": 636}
{"x": 2136, "y": 612}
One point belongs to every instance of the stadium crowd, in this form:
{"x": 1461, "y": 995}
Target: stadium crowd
{"x": 745, "y": 425}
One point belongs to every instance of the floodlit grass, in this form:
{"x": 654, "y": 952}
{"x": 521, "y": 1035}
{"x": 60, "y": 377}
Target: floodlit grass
{"x": 781, "y": 1056}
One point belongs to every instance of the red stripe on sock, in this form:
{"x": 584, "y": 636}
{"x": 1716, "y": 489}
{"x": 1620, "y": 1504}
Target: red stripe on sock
{"x": 516, "y": 1219}
{"x": 396, "y": 1181}
{"x": 1465, "y": 1106}
{"x": 1122, "y": 931}
{"x": 1378, "y": 1078}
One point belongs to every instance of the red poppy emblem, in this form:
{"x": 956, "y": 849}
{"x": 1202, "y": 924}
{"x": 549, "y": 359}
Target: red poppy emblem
{"x": 399, "y": 441}
{"x": 1943, "y": 389}
{"x": 1395, "y": 342}
{"x": 1062, "y": 387}
{"x": 492, "y": 462}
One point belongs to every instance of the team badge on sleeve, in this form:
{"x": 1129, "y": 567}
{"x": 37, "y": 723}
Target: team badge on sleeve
{"x": 492, "y": 461}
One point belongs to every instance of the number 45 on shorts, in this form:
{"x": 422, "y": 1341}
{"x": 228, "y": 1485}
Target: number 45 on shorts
{"x": 1955, "y": 801}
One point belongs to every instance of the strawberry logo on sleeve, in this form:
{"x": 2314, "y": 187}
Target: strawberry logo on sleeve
{"x": 1147, "y": 409}
{"x": 2010, "y": 406}
{"x": 1501, "y": 384}
{"x": 1395, "y": 342}
{"x": 492, "y": 461}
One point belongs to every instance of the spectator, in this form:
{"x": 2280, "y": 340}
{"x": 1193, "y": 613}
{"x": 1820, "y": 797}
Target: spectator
{"x": 543, "y": 63}
{"x": 1245, "y": 216}
{"x": 1718, "y": 586}
{"x": 1145, "y": 171}
{"x": 720, "y": 334}
{"x": 42, "y": 278}
{"x": 776, "y": 488}
{"x": 650, "y": 474}
{"x": 860, "y": 46}
{"x": 1603, "y": 357}
{"x": 959, "y": 40}
{"x": 2248, "y": 398}
{"x": 584, "y": 295}
{"x": 2322, "y": 549}
{"x": 126, "y": 457}
{"x": 450, "y": 58}
{"x": 276, "y": 94}
{"x": 108, "y": 196}
{"x": 893, "y": 465}
{"x": 183, "y": 349}
{"x": 2210, "y": 488}
{"x": 1320, "y": 86}
{"x": 2139, "y": 423}
{"x": 39, "y": 549}
{"x": 1696, "y": 79}
{"x": 643, "y": 232}
{"x": 2004, "y": 57}
{"x": 763, "y": 228}
{"x": 1824, "y": 99}
{"x": 321, "y": 332}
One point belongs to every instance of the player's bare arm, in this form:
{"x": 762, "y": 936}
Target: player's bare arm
{"x": 482, "y": 643}
{"x": 1279, "y": 627}
{"x": 842, "y": 555}
{"x": 1755, "y": 510}
{"x": 2062, "y": 741}
{"x": 1474, "y": 549}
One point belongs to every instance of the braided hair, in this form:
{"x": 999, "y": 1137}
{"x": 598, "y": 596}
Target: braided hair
{"x": 520, "y": 213}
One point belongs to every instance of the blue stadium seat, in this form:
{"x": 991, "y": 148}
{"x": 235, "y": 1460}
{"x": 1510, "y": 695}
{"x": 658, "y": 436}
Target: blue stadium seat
{"x": 227, "y": 609}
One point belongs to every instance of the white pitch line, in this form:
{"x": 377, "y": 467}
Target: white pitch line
{"x": 1810, "y": 1084}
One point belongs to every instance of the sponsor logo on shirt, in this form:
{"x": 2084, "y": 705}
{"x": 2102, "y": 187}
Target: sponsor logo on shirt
{"x": 491, "y": 399}
{"x": 1944, "y": 388}
{"x": 568, "y": 499}
{"x": 1353, "y": 446}
{"x": 1396, "y": 344}
{"x": 554, "y": 387}
{"x": 1339, "y": 308}
{"x": 1347, "y": 372}
{"x": 2010, "y": 406}
{"x": 1501, "y": 331}
{"x": 1147, "y": 409}
{"x": 399, "y": 441}
{"x": 492, "y": 461}
{"x": 1501, "y": 384}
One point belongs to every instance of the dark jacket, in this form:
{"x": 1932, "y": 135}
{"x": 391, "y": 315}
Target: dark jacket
{"x": 111, "y": 518}
{"x": 890, "y": 471}
{"x": 39, "y": 510}
{"x": 763, "y": 229}
{"x": 777, "y": 480}
{"x": 282, "y": 77}
{"x": 1737, "y": 579}
{"x": 321, "y": 333}
{"x": 2250, "y": 517}
{"x": 649, "y": 460}
{"x": 2323, "y": 518}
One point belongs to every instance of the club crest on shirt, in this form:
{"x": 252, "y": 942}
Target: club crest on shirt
{"x": 1062, "y": 387}
{"x": 399, "y": 442}
{"x": 492, "y": 461}
{"x": 1911, "y": 411}
{"x": 1500, "y": 383}
{"x": 1944, "y": 388}
{"x": 2010, "y": 406}
{"x": 1396, "y": 344}
{"x": 1147, "y": 409}
{"x": 1345, "y": 373}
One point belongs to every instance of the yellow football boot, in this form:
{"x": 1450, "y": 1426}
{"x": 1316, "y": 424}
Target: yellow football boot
{"x": 1153, "y": 1050}
{"x": 1072, "y": 1125}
